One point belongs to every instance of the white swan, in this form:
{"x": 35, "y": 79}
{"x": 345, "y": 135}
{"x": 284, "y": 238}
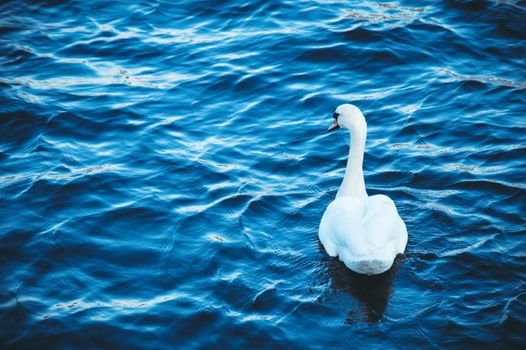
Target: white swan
{"x": 365, "y": 232}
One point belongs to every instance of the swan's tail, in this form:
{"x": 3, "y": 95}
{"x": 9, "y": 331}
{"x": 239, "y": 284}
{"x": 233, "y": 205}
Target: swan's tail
{"x": 369, "y": 266}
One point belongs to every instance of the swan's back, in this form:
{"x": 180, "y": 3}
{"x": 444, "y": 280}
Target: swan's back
{"x": 366, "y": 233}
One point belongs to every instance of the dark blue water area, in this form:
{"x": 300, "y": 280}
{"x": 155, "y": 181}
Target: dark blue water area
{"x": 164, "y": 166}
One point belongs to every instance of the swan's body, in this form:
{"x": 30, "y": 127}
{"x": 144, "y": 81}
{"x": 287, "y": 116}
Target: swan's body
{"x": 366, "y": 233}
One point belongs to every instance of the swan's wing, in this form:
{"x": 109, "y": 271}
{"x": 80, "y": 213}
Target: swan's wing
{"x": 342, "y": 226}
{"x": 383, "y": 225}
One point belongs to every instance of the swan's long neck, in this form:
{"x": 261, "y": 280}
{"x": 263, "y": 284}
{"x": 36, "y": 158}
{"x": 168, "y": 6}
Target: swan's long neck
{"x": 353, "y": 183}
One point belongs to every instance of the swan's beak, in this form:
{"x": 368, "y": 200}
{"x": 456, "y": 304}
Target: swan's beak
{"x": 334, "y": 125}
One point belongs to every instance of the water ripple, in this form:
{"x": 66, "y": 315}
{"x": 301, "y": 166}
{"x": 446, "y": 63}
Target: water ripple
{"x": 164, "y": 167}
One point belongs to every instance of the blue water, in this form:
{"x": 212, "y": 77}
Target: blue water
{"x": 164, "y": 167}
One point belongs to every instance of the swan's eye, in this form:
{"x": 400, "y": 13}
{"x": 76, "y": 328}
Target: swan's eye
{"x": 335, "y": 115}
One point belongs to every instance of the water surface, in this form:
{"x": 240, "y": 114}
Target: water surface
{"x": 164, "y": 166}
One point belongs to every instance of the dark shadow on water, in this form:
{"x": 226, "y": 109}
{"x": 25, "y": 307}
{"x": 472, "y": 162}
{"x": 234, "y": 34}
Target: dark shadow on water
{"x": 372, "y": 292}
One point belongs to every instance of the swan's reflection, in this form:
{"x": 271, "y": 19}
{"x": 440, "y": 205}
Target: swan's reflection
{"x": 372, "y": 292}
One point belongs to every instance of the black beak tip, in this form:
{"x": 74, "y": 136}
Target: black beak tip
{"x": 335, "y": 125}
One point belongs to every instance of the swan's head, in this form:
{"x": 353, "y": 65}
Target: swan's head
{"x": 348, "y": 116}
